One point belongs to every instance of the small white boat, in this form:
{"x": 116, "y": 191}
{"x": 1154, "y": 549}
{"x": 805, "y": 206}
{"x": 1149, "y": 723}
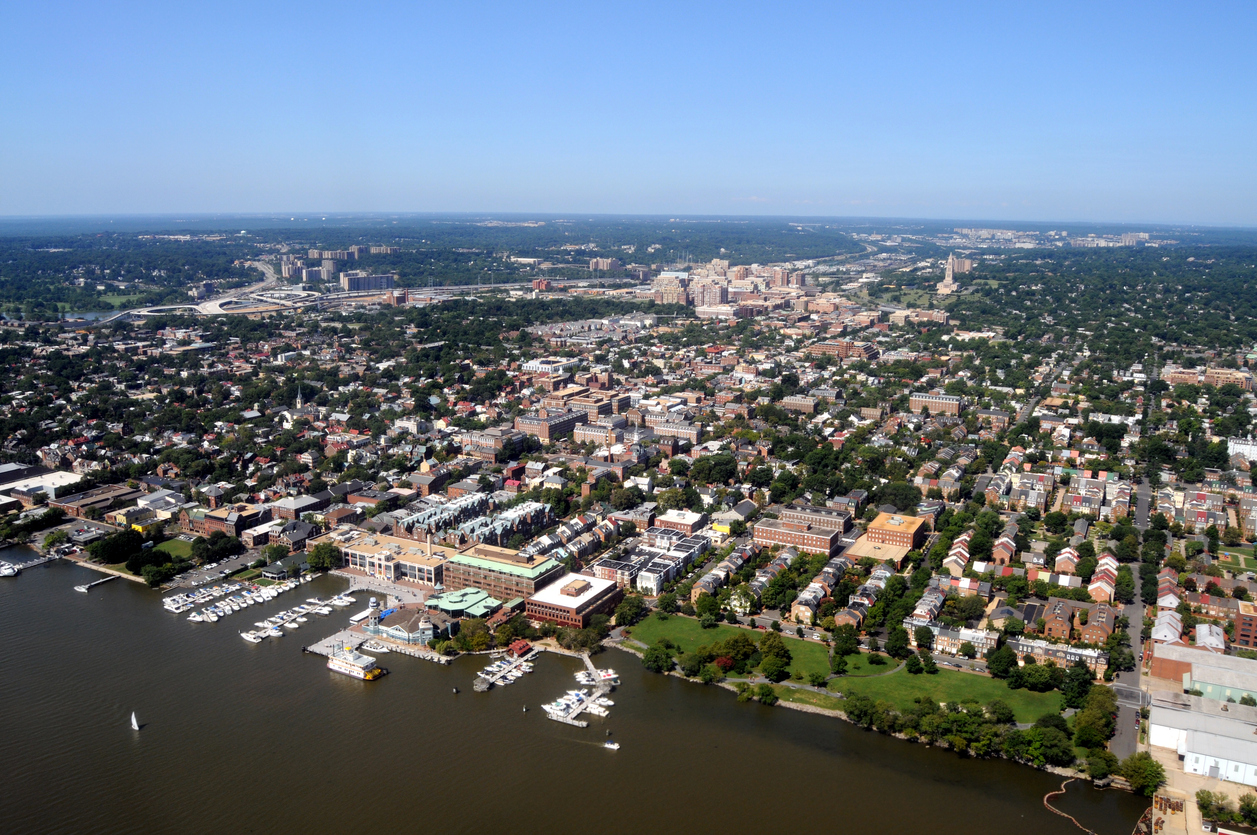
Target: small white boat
{"x": 251, "y": 637}
{"x": 195, "y": 617}
{"x": 275, "y": 633}
{"x": 135, "y": 723}
{"x": 8, "y": 569}
{"x": 611, "y": 746}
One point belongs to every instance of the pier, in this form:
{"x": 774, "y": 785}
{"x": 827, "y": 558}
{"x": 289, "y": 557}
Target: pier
{"x": 483, "y": 682}
{"x": 33, "y": 561}
{"x": 340, "y": 640}
{"x": 415, "y": 652}
{"x": 83, "y": 588}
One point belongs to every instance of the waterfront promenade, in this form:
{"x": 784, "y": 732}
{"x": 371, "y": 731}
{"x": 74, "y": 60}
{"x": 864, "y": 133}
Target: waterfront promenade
{"x": 402, "y": 592}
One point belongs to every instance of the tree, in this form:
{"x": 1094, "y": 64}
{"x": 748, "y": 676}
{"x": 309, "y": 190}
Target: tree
{"x": 914, "y": 665}
{"x": 275, "y": 552}
{"x": 839, "y": 665}
{"x": 658, "y": 659}
{"x": 57, "y": 537}
{"x": 1077, "y": 685}
{"x": 1000, "y": 713}
{"x": 968, "y": 650}
{"x": 774, "y": 668}
{"x": 630, "y": 610}
{"x": 897, "y": 643}
{"x": 1100, "y": 763}
{"x": 924, "y": 637}
{"x": 1056, "y": 522}
{"x": 846, "y": 640}
{"x": 1001, "y": 662}
{"x": 667, "y": 602}
{"x": 927, "y": 663}
{"x": 323, "y": 557}
{"x": 766, "y": 694}
{"x": 1143, "y": 773}
{"x": 707, "y": 605}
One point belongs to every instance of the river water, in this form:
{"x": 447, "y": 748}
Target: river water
{"x": 239, "y": 737}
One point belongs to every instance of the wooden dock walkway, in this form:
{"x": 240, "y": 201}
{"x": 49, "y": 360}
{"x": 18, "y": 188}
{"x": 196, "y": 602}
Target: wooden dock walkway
{"x": 84, "y": 588}
{"x": 483, "y": 682}
{"x": 32, "y": 562}
{"x": 339, "y": 640}
{"x": 415, "y": 652}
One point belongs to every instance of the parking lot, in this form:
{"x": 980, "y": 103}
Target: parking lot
{"x": 212, "y": 573}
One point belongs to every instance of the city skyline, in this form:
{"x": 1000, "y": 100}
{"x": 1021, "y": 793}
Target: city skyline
{"x": 1120, "y": 114}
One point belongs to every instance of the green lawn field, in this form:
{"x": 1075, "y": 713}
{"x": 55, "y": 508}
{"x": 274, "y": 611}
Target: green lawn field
{"x": 901, "y": 689}
{"x": 175, "y": 547}
{"x": 808, "y": 656}
{"x": 858, "y": 665}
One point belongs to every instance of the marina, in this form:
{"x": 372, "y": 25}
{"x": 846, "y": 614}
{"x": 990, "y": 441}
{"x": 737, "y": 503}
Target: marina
{"x": 506, "y": 670}
{"x": 269, "y": 710}
{"x": 568, "y": 707}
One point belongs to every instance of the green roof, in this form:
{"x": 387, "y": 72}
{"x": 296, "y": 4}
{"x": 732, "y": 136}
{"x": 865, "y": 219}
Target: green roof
{"x": 472, "y": 602}
{"x": 532, "y": 572}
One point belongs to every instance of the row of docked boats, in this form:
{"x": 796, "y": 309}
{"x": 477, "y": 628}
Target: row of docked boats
{"x": 597, "y": 677}
{"x": 273, "y": 626}
{"x": 241, "y": 596}
{"x": 574, "y": 702}
{"x": 504, "y": 671}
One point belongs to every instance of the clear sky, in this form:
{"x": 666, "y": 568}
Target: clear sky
{"x": 1105, "y": 111}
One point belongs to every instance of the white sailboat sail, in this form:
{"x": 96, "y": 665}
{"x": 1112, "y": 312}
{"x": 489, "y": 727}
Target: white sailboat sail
{"x": 135, "y": 723}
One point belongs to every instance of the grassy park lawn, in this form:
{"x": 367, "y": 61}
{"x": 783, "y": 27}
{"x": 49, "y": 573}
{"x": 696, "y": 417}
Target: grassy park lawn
{"x": 808, "y": 656}
{"x": 858, "y": 665}
{"x": 175, "y": 548}
{"x": 807, "y": 697}
{"x": 901, "y": 689}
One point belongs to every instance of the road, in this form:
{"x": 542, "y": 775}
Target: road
{"x": 1127, "y": 685}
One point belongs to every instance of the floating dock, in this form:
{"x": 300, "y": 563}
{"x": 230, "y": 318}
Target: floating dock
{"x": 83, "y": 588}
{"x": 416, "y": 652}
{"x": 484, "y": 682}
{"x": 340, "y": 640}
{"x": 31, "y": 563}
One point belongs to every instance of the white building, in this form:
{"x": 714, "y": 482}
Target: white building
{"x": 1211, "y": 738}
{"x": 550, "y": 365}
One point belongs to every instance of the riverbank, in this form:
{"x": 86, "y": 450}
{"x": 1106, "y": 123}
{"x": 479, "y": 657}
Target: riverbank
{"x": 784, "y": 689}
{"x": 104, "y": 569}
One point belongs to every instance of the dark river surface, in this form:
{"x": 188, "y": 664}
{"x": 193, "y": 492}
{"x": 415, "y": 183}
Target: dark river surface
{"x": 239, "y": 737}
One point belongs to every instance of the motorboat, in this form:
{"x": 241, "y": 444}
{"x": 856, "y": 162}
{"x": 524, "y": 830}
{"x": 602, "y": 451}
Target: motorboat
{"x": 611, "y": 746}
{"x": 251, "y": 637}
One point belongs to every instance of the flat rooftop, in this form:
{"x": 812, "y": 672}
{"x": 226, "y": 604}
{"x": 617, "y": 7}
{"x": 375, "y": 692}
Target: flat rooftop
{"x": 589, "y": 588}
{"x": 896, "y": 522}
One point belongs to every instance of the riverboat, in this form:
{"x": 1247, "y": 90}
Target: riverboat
{"x": 348, "y": 662}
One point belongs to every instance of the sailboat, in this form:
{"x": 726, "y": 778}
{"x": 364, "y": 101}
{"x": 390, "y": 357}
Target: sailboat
{"x": 135, "y": 723}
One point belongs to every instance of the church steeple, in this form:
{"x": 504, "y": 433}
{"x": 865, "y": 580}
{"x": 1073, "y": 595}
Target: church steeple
{"x": 300, "y": 401}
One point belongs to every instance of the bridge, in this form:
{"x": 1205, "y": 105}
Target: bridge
{"x": 270, "y": 296}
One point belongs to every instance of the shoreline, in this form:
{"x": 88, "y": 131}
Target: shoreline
{"x": 104, "y": 569}
{"x": 838, "y": 714}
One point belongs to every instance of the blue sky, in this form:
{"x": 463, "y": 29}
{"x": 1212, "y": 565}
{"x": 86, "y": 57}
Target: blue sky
{"x": 1139, "y": 112}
